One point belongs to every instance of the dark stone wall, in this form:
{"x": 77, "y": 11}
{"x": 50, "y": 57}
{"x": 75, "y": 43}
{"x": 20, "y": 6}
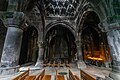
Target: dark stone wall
{"x": 24, "y": 48}
{"x": 3, "y": 5}
{"x": 3, "y": 31}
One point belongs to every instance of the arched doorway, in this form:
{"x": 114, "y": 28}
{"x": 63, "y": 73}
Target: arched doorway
{"x": 94, "y": 41}
{"x": 3, "y": 31}
{"x": 29, "y": 48}
{"x": 60, "y": 44}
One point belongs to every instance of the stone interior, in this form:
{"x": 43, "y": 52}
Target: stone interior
{"x": 81, "y": 33}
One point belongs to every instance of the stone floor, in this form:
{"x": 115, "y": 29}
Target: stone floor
{"x": 93, "y": 70}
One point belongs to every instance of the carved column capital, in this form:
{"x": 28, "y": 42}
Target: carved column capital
{"x": 16, "y": 19}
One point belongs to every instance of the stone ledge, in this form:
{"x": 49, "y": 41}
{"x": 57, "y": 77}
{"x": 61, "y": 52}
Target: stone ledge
{"x": 108, "y": 78}
{"x": 9, "y": 70}
{"x": 81, "y": 65}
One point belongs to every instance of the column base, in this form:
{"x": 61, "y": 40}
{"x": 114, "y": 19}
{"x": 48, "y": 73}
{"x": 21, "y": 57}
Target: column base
{"x": 39, "y": 64}
{"x": 108, "y": 78}
{"x": 107, "y": 64}
{"x": 81, "y": 64}
{"x": 9, "y": 70}
{"x": 115, "y": 75}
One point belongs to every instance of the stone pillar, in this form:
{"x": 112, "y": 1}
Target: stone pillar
{"x": 113, "y": 37}
{"x": 78, "y": 46}
{"x": 40, "y": 45}
{"x": 79, "y": 52}
{"x": 80, "y": 61}
{"x": 12, "y": 45}
{"x": 40, "y": 55}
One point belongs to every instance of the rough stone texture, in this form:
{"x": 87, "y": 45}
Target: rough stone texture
{"x": 103, "y": 8}
{"x": 12, "y": 45}
{"x": 16, "y": 18}
{"x": 108, "y": 78}
{"x": 114, "y": 45}
{"x": 3, "y": 31}
{"x": 9, "y": 70}
{"x": 3, "y": 7}
{"x": 115, "y": 76}
{"x": 79, "y": 50}
{"x": 80, "y": 61}
{"x": 79, "y": 54}
{"x": 40, "y": 55}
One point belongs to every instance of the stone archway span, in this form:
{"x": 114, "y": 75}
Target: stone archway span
{"x": 64, "y": 24}
{"x": 56, "y": 35}
{"x": 83, "y": 18}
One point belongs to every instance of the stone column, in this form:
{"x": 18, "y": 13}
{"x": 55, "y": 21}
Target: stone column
{"x": 79, "y": 52}
{"x": 80, "y": 61}
{"x": 12, "y": 45}
{"x": 40, "y": 45}
{"x": 40, "y": 55}
{"x": 113, "y": 37}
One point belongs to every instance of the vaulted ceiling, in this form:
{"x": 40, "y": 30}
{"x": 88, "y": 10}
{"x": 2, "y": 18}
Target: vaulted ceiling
{"x": 58, "y": 8}
{"x": 108, "y": 10}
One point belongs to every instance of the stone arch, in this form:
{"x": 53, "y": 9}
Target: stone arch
{"x": 64, "y": 24}
{"x": 90, "y": 6}
{"x": 57, "y": 35}
{"x": 83, "y": 17}
{"x": 92, "y": 40}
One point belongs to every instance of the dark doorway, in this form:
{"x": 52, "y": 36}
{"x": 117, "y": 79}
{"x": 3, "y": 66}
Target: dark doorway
{"x": 29, "y": 49}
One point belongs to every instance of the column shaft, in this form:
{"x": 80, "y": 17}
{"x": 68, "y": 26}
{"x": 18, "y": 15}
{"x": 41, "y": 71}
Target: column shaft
{"x": 80, "y": 62}
{"x": 114, "y": 45}
{"x": 80, "y": 59}
{"x": 12, "y": 45}
{"x": 79, "y": 50}
{"x": 40, "y": 55}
